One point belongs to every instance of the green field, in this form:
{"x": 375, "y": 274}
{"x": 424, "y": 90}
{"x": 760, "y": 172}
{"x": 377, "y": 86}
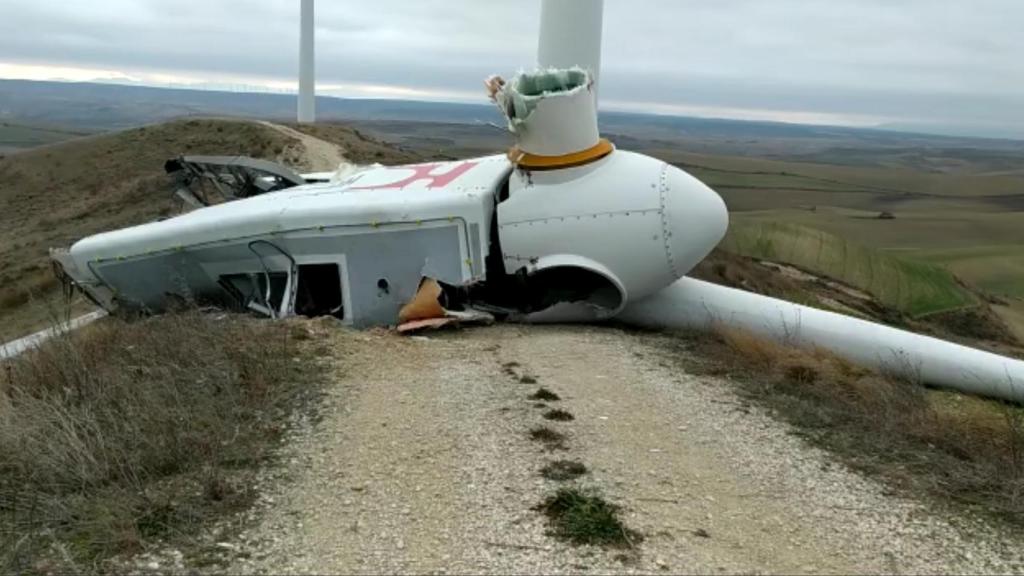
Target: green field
{"x": 997, "y": 269}
{"x": 914, "y": 287}
{"x": 735, "y": 171}
{"x": 964, "y": 221}
{"x": 15, "y": 137}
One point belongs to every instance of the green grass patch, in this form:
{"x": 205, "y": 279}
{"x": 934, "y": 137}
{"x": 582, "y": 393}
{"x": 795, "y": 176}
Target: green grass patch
{"x": 584, "y": 518}
{"x": 997, "y": 269}
{"x": 913, "y": 287}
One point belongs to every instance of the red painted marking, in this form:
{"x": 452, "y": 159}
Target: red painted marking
{"x": 423, "y": 172}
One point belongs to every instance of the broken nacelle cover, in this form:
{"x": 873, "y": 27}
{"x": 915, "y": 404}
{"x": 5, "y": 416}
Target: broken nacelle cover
{"x": 553, "y": 115}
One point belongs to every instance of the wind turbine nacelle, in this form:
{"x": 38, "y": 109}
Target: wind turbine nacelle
{"x": 622, "y": 227}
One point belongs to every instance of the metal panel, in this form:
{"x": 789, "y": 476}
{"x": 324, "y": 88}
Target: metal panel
{"x": 476, "y": 248}
{"x": 399, "y": 256}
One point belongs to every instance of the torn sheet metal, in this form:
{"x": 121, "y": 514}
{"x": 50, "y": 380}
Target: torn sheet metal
{"x": 230, "y": 177}
{"x": 426, "y": 311}
{"x": 426, "y": 304}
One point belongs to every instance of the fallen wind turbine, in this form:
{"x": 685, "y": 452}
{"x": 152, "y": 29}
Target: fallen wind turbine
{"x": 562, "y": 228}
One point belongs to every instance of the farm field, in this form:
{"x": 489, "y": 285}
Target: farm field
{"x": 911, "y": 286}
{"x": 14, "y": 137}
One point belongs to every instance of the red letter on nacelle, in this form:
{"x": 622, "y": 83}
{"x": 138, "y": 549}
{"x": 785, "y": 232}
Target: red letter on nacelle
{"x": 423, "y": 172}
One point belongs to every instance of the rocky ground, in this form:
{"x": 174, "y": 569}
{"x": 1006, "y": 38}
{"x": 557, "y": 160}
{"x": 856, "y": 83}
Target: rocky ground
{"x": 421, "y": 461}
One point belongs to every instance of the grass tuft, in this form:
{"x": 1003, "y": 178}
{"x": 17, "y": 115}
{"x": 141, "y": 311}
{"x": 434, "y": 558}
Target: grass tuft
{"x": 584, "y": 518}
{"x": 545, "y": 395}
{"x": 552, "y": 439}
{"x": 563, "y": 470}
{"x": 559, "y": 416}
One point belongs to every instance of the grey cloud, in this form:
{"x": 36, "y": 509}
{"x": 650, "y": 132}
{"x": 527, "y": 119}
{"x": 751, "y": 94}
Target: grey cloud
{"x": 933, "y": 62}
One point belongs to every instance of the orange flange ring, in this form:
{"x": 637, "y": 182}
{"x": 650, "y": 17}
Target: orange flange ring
{"x": 535, "y": 162}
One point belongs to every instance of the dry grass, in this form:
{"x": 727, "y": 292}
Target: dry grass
{"x": 125, "y": 433}
{"x": 960, "y": 449}
{"x": 59, "y": 194}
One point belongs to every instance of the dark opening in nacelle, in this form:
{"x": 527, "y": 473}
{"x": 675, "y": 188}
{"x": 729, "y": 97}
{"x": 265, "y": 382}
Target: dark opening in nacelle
{"x": 571, "y": 284}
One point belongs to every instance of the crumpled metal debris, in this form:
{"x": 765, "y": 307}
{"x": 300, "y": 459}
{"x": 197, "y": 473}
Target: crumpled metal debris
{"x": 426, "y": 312}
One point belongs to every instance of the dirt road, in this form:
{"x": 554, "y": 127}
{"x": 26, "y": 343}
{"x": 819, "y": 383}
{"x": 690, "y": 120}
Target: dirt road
{"x": 422, "y": 462}
{"x": 317, "y": 155}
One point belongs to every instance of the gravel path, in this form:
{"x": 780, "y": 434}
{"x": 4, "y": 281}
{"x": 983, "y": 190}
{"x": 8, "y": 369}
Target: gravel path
{"x": 422, "y": 463}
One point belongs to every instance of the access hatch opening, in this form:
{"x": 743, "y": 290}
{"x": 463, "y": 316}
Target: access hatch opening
{"x": 318, "y": 292}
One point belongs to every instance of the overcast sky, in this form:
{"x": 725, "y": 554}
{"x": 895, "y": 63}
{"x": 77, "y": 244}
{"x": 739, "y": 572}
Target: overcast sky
{"x": 951, "y": 65}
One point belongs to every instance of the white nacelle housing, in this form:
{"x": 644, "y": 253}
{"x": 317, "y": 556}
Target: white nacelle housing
{"x": 373, "y": 236}
{"x": 634, "y": 220}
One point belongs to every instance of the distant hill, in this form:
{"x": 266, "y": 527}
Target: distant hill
{"x": 94, "y": 106}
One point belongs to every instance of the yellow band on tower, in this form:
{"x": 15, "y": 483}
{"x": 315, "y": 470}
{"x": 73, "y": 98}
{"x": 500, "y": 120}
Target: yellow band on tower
{"x": 535, "y": 162}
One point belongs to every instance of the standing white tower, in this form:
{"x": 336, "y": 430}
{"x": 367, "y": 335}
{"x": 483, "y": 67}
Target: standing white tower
{"x": 307, "y": 65}
{"x": 570, "y": 35}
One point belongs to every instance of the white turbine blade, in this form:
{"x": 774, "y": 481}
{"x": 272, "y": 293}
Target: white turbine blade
{"x": 692, "y": 304}
{"x": 307, "y": 64}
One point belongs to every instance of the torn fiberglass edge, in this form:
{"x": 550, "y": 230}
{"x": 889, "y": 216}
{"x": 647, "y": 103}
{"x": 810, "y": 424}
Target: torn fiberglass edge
{"x": 518, "y": 99}
{"x": 553, "y": 116}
